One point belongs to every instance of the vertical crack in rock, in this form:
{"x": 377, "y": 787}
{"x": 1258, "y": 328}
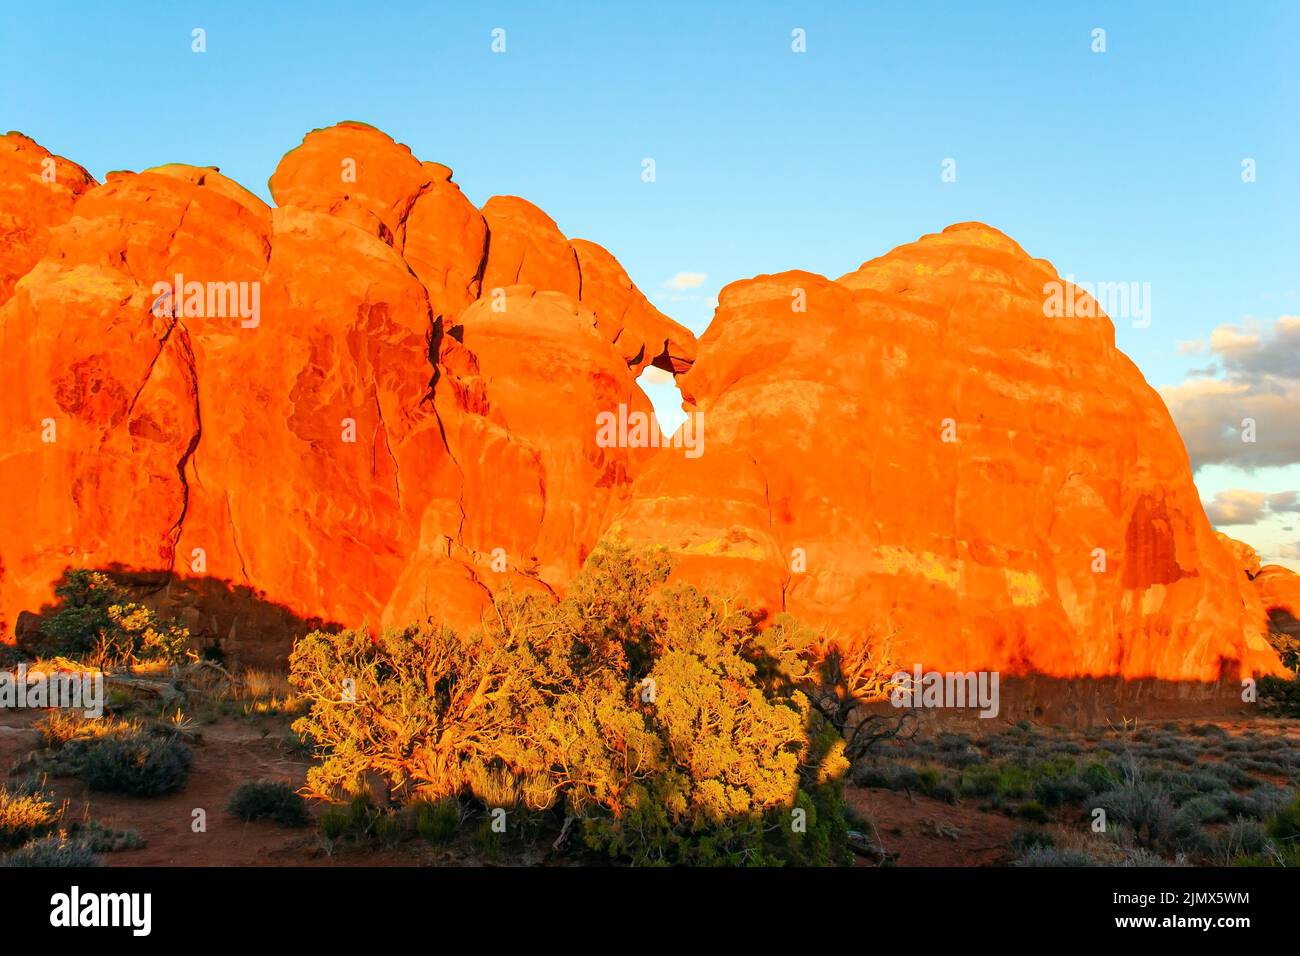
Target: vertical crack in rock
{"x": 405, "y": 214}
{"x": 432, "y": 344}
{"x": 148, "y": 373}
{"x": 383, "y": 427}
{"x": 473, "y": 576}
{"x": 433, "y": 341}
{"x": 481, "y": 271}
{"x": 187, "y": 361}
{"x": 234, "y": 539}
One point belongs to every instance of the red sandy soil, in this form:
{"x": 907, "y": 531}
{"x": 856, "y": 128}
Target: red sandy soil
{"x": 229, "y": 752}
{"x": 922, "y": 831}
{"x": 928, "y": 832}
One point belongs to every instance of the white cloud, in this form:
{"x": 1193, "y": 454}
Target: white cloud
{"x": 1284, "y": 501}
{"x": 1236, "y": 506}
{"x": 686, "y": 280}
{"x": 1228, "y": 339}
{"x": 1242, "y": 506}
{"x": 1256, "y": 377}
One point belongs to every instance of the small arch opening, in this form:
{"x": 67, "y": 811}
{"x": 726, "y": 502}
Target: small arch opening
{"x": 661, "y": 388}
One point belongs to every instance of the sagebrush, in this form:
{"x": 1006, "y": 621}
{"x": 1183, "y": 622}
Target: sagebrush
{"x": 662, "y": 722}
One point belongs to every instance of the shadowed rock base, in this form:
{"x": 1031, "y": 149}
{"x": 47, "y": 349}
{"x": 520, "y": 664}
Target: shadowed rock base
{"x": 1092, "y": 702}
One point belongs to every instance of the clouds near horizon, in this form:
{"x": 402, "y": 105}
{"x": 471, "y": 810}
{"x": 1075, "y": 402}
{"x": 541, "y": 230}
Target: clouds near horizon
{"x": 1241, "y": 506}
{"x": 1254, "y": 382}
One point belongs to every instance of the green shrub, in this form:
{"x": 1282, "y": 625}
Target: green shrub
{"x": 1138, "y": 856}
{"x": 1024, "y": 840}
{"x": 1280, "y": 696}
{"x": 1185, "y": 755}
{"x": 1003, "y": 778}
{"x": 437, "y": 820}
{"x": 359, "y": 821}
{"x": 1147, "y": 810}
{"x": 889, "y": 776}
{"x": 98, "y": 621}
{"x": 1204, "y": 809}
{"x": 660, "y": 719}
{"x": 1097, "y": 777}
{"x": 1032, "y": 811}
{"x": 1282, "y": 830}
{"x": 945, "y": 792}
{"x": 269, "y": 800}
{"x": 1143, "y": 803}
{"x": 1060, "y": 791}
{"x": 388, "y": 828}
{"x": 1284, "y": 825}
{"x": 1051, "y": 856}
{"x": 1262, "y": 803}
{"x": 297, "y": 745}
{"x": 337, "y": 822}
{"x": 140, "y": 765}
{"x": 927, "y": 778}
{"x": 101, "y": 839}
{"x": 1232, "y": 776}
{"x": 53, "y": 851}
{"x": 1240, "y": 838}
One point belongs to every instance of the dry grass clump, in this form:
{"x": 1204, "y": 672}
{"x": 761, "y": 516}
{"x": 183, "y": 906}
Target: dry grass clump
{"x": 26, "y": 816}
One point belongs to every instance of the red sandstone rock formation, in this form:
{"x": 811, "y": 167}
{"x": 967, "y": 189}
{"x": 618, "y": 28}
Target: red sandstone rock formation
{"x": 1279, "y": 589}
{"x": 917, "y": 449}
{"x": 341, "y": 451}
{"x": 37, "y": 193}
{"x": 380, "y": 405}
{"x": 1274, "y": 591}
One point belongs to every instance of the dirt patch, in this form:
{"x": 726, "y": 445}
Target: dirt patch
{"x": 226, "y": 754}
{"x": 928, "y": 832}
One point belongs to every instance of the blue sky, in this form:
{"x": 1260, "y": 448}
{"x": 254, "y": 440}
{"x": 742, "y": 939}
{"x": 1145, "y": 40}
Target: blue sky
{"x": 1117, "y": 166}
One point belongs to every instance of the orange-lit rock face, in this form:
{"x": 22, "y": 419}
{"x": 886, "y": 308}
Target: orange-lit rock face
{"x": 101, "y": 409}
{"x": 917, "y": 449}
{"x": 1279, "y": 588}
{"x": 334, "y": 445}
{"x": 393, "y": 414}
{"x": 1273, "y": 592}
{"x": 1243, "y": 555}
{"x": 536, "y": 489}
{"x": 1279, "y": 593}
{"x": 37, "y": 193}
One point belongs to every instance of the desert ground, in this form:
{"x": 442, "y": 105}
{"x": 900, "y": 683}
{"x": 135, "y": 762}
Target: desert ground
{"x": 972, "y": 793}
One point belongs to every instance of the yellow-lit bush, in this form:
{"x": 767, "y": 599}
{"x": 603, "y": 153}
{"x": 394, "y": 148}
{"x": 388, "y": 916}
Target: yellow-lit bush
{"x": 26, "y": 816}
{"x": 97, "y": 621}
{"x": 658, "y": 719}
